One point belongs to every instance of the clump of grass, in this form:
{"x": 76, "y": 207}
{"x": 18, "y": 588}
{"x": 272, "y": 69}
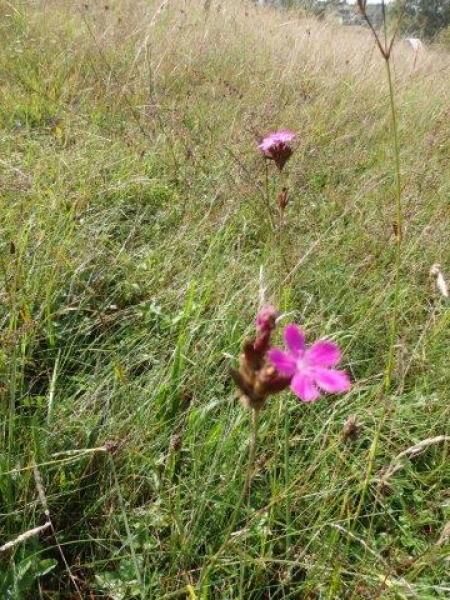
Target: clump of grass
{"x": 132, "y": 237}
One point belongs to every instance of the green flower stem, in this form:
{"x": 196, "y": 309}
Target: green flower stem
{"x": 252, "y": 451}
{"x": 287, "y": 477}
{"x": 267, "y": 194}
{"x": 245, "y": 493}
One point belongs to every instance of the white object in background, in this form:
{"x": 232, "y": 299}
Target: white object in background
{"x": 441, "y": 284}
{"x": 415, "y": 43}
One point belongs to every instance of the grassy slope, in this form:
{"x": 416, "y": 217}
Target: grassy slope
{"x": 132, "y": 236}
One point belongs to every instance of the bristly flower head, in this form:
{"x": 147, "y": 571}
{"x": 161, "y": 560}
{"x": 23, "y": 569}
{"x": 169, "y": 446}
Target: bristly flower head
{"x": 277, "y": 146}
{"x": 309, "y": 368}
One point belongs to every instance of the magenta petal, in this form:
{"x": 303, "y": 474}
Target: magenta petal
{"x": 332, "y": 381}
{"x": 265, "y": 145}
{"x": 323, "y": 354}
{"x": 276, "y": 141}
{"x": 303, "y": 386}
{"x": 285, "y": 135}
{"x": 283, "y": 362}
{"x": 294, "y": 338}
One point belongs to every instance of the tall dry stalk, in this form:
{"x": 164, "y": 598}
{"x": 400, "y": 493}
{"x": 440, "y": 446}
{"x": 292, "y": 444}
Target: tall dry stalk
{"x": 385, "y": 47}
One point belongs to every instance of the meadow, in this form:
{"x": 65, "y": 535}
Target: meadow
{"x": 136, "y": 248}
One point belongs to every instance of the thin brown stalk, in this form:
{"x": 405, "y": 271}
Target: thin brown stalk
{"x": 44, "y": 503}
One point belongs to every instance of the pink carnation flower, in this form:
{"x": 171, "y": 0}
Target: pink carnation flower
{"x": 277, "y": 146}
{"x": 309, "y": 367}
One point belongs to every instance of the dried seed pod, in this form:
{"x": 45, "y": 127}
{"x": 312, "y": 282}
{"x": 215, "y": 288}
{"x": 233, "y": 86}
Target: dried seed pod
{"x": 176, "y": 442}
{"x": 283, "y": 198}
{"x": 351, "y": 428}
{"x": 255, "y": 377}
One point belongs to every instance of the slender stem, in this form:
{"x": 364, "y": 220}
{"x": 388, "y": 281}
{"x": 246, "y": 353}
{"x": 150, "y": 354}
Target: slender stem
{"x": 383, "y": 10}
{"x": 287, "y": 478}
{"x": 280, "y": 230}
{"x": 369, "y": 471}
{"x": 281, "y": 251}
{"x": 284, "y": 264}
{"x": 244, "y": 493}
{"x": 274, "y": 471}
{"x": 267, "y": 194}
{"x": 281, "y": 224}
{"x": 394, "y": 315}
{"x": 398, "y": 234}
{"x": 252, "y": 451}
{"x": 395, "y": 311}
{"x": 130, "y": 540}
{"x": 377, "y": 39}
{"x": 12, "y": 406}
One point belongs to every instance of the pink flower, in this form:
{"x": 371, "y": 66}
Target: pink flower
{"x": 266, "y": 318}
{"x": 309, "y": 367}
{"x": 277, "y": 146}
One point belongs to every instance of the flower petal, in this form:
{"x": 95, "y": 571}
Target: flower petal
{"x": 294, "y": 338}
{"x": 303, "y": 386}
{"x": 332, "y": 381}
{"x": 275, "y": 141}
{"x": 265, "y": 145}
{"x": 323, "y": 354}
{"x": 284, "y": 135}
{"x": 283, "y": 362}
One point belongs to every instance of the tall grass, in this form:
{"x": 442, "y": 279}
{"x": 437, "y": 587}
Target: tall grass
{"x": 133, "y": 232}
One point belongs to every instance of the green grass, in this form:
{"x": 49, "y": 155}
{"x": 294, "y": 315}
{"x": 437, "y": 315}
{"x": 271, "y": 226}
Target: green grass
{"x": 133, "y": 233}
